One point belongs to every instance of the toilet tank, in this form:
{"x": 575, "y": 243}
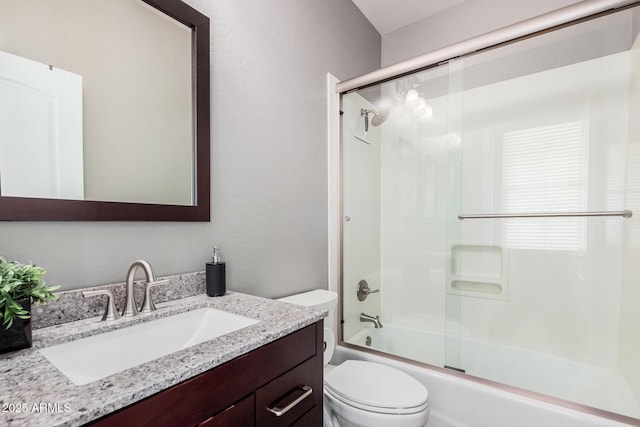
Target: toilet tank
{"x": 320, "y": 299}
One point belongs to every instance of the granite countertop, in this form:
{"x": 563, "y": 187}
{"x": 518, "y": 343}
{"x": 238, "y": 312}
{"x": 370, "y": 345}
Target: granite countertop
{"x": 34, "y": 393}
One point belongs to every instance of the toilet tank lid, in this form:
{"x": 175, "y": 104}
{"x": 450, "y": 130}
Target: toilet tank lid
{"x": 321, "y": 299}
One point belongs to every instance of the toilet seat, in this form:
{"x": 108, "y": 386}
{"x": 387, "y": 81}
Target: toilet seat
{"x": 376, "y": 388}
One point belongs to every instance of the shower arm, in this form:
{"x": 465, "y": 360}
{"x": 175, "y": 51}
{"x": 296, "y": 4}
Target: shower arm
{"x": 365, "y": 113}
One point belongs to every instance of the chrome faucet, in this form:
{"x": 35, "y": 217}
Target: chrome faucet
{"x": 368, "y": 318}
{"x": 130, "y": 308}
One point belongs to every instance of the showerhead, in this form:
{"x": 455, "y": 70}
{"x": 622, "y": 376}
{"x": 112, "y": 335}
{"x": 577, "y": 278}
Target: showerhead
{"x": 378, "y": 117}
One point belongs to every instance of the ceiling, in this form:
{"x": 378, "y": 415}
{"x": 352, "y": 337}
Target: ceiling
{"x": 388, "y": 16}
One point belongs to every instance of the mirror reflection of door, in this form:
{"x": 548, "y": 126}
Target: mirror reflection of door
{"x": 41, "y": 151}
{"x": 137, "y": 112}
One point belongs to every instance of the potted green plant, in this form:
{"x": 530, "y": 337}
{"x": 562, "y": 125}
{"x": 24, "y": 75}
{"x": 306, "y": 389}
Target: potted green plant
{"x": 20, "y": 285}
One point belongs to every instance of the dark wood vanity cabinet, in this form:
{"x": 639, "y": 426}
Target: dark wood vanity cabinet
{"x": 242, "y": 413}
{"x": 278, "y": 384}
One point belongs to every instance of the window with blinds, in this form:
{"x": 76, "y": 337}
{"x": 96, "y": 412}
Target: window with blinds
{"x": 544, "y": 170}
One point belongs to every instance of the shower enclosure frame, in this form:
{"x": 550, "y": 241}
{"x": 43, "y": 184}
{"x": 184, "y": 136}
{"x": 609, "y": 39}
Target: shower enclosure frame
{"x": 560, "y": 18}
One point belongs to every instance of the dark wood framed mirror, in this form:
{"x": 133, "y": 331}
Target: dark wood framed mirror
{"x": 195, "y": 206}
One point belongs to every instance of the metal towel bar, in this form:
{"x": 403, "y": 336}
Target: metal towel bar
{"x": 627, "y": 213}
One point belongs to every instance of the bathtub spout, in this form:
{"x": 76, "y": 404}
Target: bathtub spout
{"x": 373, "y": 319}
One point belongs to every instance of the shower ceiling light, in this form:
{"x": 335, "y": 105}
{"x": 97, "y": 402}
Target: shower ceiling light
{"x": 409, "y": 90}
{"x": 424, "y": 110}
{"x": 422, "y": 105}
{"x": 406, "y": 85}
{"x": 411, "y": 99}
{"x": 428, "y": 111}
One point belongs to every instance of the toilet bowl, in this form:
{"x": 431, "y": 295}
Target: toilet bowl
{"x": 371, "y": 394}
{"x": 364, "y": 394}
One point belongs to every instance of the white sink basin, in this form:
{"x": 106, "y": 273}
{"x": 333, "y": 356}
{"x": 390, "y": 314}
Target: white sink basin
{"x": 98, "y": 356}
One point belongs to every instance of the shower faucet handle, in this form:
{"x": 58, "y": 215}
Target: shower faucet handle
{"x": 364, "y": 290}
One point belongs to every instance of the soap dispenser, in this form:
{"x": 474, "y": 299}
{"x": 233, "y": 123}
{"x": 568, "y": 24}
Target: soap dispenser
{"x": 215, "y": 275}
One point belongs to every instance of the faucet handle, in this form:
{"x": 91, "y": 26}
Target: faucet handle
{"x": 364, "y": 291}
{"x": 110, "y": 312}
{"x": 147, "y": 303}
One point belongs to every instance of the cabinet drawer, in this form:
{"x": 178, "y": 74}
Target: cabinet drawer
{"x": 311, "y": 418}
{"x": 285, "y": 400}
{"x": 240, "y": 414}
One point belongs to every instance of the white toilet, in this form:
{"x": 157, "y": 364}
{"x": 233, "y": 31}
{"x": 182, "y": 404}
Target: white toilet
{"x": 364, "y": 394}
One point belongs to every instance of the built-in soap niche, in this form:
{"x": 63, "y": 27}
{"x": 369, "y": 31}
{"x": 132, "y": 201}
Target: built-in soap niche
{"x": 477, "y": 270}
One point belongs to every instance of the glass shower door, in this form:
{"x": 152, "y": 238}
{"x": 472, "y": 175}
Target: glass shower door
{"x": 395, "y": 174}
{"x": 547, "y": 129}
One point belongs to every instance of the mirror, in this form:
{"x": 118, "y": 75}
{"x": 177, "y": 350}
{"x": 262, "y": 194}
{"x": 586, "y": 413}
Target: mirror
{"x": 104, "y": 110}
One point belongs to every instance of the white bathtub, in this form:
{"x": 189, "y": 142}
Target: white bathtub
{"x": 460, "y": 402}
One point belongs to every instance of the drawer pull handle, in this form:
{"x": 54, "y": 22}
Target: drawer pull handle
{"x": 281, "y": 411}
